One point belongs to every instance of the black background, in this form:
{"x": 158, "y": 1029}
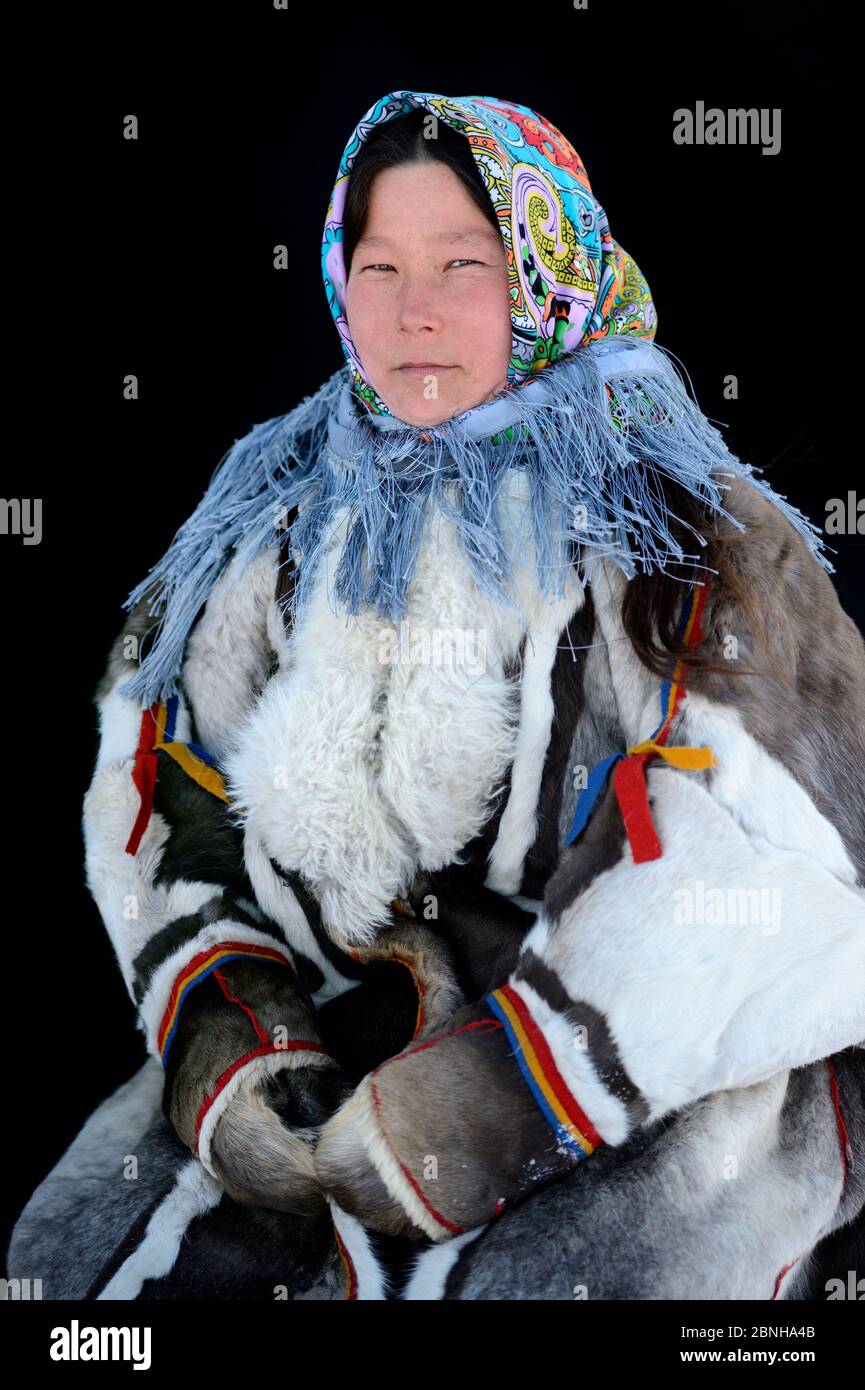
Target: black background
{"x": 166, "y": 250}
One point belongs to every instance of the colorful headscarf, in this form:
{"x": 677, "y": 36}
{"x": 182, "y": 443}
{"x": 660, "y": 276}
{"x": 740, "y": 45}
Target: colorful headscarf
{"x": 569, "y": 281}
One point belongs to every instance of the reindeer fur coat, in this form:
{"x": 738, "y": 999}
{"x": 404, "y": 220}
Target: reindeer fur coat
{"x": 474, "y": 960}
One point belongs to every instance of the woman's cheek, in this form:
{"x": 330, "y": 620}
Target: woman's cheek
{"x": 369, "y": 319}
{"x": 486, "y": 297}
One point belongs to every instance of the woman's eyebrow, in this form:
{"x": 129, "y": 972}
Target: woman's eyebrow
{"x": 459, "y": 234}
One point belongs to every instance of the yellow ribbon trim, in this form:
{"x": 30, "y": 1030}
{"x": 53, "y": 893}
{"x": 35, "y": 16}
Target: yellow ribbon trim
{"x": 693, "y": 759}
{"x": 196, "y": 768}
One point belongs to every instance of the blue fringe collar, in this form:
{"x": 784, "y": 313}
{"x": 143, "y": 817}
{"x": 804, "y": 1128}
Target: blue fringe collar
{"x": 598, "y": 434}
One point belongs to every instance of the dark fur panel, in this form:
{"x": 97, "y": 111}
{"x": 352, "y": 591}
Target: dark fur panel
{"x": 240, "y": 1253}
{"x": 598, "y": 731}
{"x": 600, "y": 846}
{"x": 568, "y": 695}
{"x": 310, "y": 975}
{"x": 344, "y": 963}
{"x": 483, "y": 929}
{"x": 376, "y": 1019}
{"x": 205, "y": 843}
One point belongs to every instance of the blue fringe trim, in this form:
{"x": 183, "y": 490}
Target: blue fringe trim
{"x": 599, "y": 434}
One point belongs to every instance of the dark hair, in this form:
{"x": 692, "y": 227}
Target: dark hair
{"x": 652, "y": 604}
{"x": 404, "y": 141}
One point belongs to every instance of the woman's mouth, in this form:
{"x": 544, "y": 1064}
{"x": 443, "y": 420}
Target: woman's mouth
{"x": 425, "y": 368}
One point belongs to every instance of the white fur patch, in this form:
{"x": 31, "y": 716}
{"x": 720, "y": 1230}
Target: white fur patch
{"x": 228, "y": 652}
{"x": 432, "y": 1267}
{"x": 700, "y": 989}
{"x": 119, "y": 726}
{"x": 301, "y": 776}
{"x": 451, "y": 722}
{"x": 355, "y": 769}
{"x": 371, "y": 1278}
{"x": 758, "y": 791}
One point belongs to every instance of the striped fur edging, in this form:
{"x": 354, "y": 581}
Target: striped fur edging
{"x": 153, "y": 1003}
{"x": 567, "y": 1119}
{"x": 196, "y": 970}
{"x": 365, "y": 1280}
{"x": 156, "y": 736}
{"x": 265, "y": 1059}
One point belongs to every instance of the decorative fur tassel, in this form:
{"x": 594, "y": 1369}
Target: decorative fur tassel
{"x": 599, "y": 434}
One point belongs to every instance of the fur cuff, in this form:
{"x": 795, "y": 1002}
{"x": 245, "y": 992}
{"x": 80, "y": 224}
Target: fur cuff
{"x": 249, "y": 1016}
{"x": 440, "y": 1138}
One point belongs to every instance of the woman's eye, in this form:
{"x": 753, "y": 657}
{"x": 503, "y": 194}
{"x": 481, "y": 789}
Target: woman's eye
{"x": 383, "y": 265}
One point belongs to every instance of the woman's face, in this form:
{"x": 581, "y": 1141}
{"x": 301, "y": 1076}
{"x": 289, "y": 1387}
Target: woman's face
{"x": 427, "y": 296}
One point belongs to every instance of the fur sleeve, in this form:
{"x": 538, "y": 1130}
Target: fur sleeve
{"x": 169, "y": 878}
{"x": 740, "y": 950}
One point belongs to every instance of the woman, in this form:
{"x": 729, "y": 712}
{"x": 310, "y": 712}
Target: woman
{"x": 478, "y": 814}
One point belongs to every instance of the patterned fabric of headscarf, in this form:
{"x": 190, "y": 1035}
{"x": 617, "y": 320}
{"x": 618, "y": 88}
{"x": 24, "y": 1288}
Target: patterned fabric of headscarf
{"x": 570, "y": 283}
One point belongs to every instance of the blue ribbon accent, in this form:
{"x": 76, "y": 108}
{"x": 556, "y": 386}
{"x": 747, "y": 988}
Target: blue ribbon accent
{"x": 200, "y": 752}
{"x": 170, "y": 719}
{"x": 589, "y": 795}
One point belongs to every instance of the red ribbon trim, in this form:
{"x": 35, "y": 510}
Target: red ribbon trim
{"x": 144, "y": 777}
{"x": 632, "y": 794}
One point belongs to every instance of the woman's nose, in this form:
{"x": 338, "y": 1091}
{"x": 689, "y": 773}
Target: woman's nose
{"x": 421, "y": 303}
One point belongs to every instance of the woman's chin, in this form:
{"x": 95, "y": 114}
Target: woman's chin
{"x": 428, "y": 415}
